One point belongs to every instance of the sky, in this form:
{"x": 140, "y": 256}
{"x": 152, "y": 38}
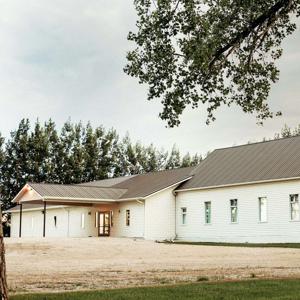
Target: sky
{"x": 64, "y": 59}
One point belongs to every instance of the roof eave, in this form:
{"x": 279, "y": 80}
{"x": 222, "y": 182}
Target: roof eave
{"x": 237, "y": 184}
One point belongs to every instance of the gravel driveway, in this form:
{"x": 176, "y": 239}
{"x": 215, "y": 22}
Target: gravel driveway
{"x": 97, "y": 263}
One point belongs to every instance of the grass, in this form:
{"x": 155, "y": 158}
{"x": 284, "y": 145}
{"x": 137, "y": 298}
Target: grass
{"x": 242, "y": 290}
{"x": 251, "y": 245}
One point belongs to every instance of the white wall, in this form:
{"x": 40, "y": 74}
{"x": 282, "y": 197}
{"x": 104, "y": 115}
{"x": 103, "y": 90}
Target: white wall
{"x": 278, "y": 228}
{"x": 68, "y": 222}
{"x": 136, "y": 228}
{"x": 160, "y": 216}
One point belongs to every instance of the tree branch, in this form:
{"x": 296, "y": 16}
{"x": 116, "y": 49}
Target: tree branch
{"x": 271, "y": 13}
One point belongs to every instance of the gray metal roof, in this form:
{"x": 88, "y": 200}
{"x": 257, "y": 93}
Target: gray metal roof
{"x": 264, "y": 161}
{"x": 76, "y": 191}
{"x": 146, "y": 184}
{"x": 136, "y": 186}
{"x": 107, "y": 182}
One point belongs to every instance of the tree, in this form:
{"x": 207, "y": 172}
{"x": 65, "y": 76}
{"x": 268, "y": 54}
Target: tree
{"x": 75, "y": 154}
{"x": 210, "y": 52}
{"x": 286, "y": 131}
{"x": 186, "y": 161}
{"x": 174, "y": 159}
{"x": 15, "y": 169}
{"x": 3, "y": 282}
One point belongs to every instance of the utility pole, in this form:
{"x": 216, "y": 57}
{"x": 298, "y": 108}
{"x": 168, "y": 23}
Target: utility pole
{"x": 3, "y": 282}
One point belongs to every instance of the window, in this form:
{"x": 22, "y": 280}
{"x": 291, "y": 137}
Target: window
{"x": 82, "y": 221}
{"x": 55, "y": 221}
{"x": 294, "y": 205}
{"x": 111, "y": 218}
{"x": 263, "y": 215}
{"x": 127, "y": 217}
{"x": 233, "y": 210}
{"x": 96, "y": 219}
{"x": 183, "y": 215}
{"x": 207, "y": 206}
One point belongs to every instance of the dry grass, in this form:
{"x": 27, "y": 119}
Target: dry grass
{"x": 96, "y": 263}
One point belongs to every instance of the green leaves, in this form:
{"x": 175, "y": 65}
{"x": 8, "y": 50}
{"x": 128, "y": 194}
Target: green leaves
{"x": 75, "y": 154}
{"x": 209, "y": 52}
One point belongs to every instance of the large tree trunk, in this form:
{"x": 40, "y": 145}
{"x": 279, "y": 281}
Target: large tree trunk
{"x": 3, "y": 282}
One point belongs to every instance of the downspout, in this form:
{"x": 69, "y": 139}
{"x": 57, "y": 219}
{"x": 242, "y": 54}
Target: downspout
{"x": 175, "y": 215}
{"x": 20, "y": 221}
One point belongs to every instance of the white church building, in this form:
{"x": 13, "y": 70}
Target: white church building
{"x": 247, "y": 193}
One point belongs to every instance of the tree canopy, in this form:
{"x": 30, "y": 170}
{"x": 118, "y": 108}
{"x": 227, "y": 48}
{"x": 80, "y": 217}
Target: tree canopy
{"x": 210, "y": 52}
{"x": 76, "y": 153}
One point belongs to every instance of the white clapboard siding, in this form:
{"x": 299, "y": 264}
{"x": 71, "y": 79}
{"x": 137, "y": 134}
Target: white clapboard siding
{"x": 136, "y": 227}
{"x": 278, "y": 228}
{"x": 160, "y": 215}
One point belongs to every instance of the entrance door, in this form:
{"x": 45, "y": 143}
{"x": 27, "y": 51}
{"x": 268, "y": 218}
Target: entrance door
{"x": 104, "y": 223}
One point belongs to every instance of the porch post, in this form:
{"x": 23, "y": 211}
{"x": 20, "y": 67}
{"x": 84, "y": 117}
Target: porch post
{"x": 44, "y": 225}
{"x": 20, "y": 222}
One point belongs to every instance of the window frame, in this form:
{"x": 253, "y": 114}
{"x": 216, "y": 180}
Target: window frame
{"x": 291, "y": 207}
{"x": 260, "y": 211}
{"x": 205, "y": 212}
{"x": 231, "y": 210}
{"x": 82, "y": 220}
{"x": 127, "y": 217}
{"x": 183, "y": 215}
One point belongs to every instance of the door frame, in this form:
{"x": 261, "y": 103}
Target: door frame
{"x": 103, "y": 225}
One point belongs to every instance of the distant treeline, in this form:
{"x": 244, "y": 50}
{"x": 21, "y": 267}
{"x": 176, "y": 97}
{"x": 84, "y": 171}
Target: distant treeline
{"x": 74, "y": 154}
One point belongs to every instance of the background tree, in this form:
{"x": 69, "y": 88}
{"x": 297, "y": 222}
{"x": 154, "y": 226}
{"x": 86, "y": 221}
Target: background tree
{"x": 74, "y": 154}
{"x": 210, "y": 52}
{"x": 16, "y": 163}
{"x": 174, "y": 160}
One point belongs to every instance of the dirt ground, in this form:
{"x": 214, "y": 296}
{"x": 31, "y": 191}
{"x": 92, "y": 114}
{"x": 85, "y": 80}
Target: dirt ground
{"x": 35, "y": 265}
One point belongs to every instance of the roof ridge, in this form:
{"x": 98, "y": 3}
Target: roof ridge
{"x": 255, "y": 143}
{"x": 166, "y": 170}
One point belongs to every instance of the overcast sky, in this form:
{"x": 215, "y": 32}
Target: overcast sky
{"x": 63, "y": 59}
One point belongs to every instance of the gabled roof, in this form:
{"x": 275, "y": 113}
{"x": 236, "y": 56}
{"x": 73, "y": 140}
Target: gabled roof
{"x": 147, "y": 184}
{"x": 115, "y": 189}
{"x": 258, "y": 162}
{"x": 76, "y": 191}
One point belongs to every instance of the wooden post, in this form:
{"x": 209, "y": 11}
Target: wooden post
{"x": 44, "y": 227}
{"x": 20, "y": 222}
{"x": 3, "y": 282}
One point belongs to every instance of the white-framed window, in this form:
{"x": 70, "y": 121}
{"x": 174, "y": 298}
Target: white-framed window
{"x": 96, "y": 219}
{"x": 294, "y": 207}
{"x": 233, "y": 210}
{"x": 207, "y": 208}
{"x": 82, "y": 220}
{"x": 128, "y": 217}
{"x": 263, "y": 210}
{"x": 183, "y": 215}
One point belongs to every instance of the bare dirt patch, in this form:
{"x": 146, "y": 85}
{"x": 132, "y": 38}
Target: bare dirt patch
{"x": 35, "y": 265}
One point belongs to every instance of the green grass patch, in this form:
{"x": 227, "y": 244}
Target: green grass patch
{"x": 251, "y": 245}
{"x": 242, "y": 290}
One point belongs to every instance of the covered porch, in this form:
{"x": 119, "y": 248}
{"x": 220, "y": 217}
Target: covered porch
{"x": 60, "y": 210}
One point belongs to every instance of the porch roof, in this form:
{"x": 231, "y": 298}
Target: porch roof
{"x": 124, "y": 188}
